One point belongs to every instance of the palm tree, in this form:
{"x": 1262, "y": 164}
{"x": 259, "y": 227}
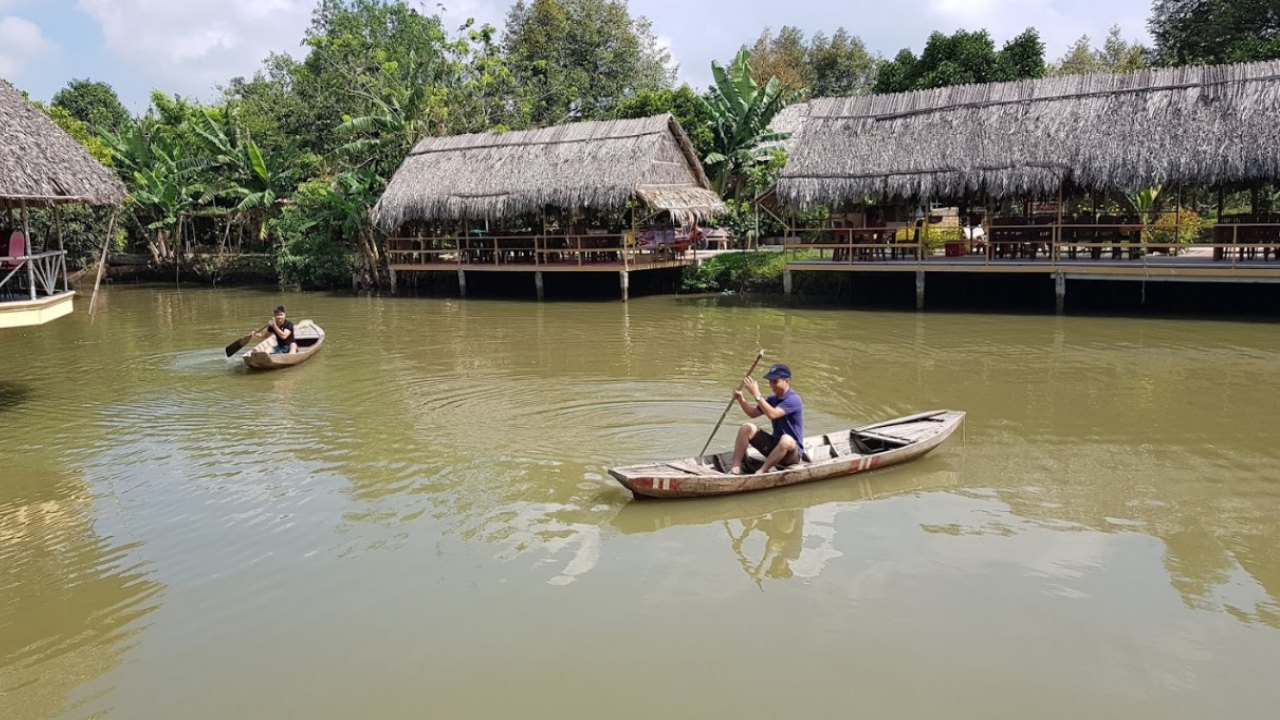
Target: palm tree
{"x": 741, "y": 112}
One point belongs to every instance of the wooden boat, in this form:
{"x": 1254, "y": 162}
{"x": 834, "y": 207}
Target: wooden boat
{"x": 832, "y": 455}
{"x": 262, "y": 356}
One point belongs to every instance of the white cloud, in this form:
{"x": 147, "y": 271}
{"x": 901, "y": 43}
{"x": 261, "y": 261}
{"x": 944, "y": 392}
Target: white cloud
{"x": 20, "y": 42}
{"x": 190, "y": 46}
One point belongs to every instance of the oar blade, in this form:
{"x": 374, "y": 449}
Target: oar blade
{"x": 234, "y": 347}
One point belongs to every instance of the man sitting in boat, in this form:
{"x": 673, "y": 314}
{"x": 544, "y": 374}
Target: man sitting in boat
{"x": 283, "y": 330}
{"x": 783, "y": 446}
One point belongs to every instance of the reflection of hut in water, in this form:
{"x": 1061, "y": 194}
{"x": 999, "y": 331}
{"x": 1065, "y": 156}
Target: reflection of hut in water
{"x": 70, "y": 600}
{"x": 1210, "y": 547}
{"x": 40, "y": 167}
{"x": 589, "y": 197}
{"x": 1045, "y": 174}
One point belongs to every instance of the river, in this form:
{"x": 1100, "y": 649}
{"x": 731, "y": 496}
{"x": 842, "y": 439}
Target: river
{"x": 419, "y": 521}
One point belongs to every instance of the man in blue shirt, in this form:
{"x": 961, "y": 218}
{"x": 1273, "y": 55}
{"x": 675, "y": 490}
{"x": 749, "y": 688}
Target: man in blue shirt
{"x": 783, "y": 446}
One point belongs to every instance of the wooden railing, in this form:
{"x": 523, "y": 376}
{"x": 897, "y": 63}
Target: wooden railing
{"x": 533, "y": 250}
{"x": 40, "y": 270}
{"x": 1233, "y": 242}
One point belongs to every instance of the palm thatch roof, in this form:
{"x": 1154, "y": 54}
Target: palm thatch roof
{"x": 791, "y": 121}
{"x": 587, "y": 165}
{"x": 42, "y": 165}
{"x": 1106, "y": 131}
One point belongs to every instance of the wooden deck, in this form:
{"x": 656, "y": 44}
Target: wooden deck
{"x": 1198, "y": 263}
{"x": 577, "y": 253}
{"x": 639, "y": 264}
{"x": 26, "y": 313}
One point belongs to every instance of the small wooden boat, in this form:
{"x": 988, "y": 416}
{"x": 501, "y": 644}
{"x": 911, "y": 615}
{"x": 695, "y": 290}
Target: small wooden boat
{"x": 831, "y": 455}
{"x": 263, "y": 356}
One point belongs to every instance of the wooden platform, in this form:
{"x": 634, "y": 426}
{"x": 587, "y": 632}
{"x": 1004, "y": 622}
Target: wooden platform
{"x": 1185, "y": 269}
{"x": 27, "y": 313}
{"x": 562, "y": 267}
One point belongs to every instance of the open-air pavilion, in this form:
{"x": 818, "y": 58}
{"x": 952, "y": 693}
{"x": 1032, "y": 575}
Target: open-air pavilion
{"x": 1047, "y": 176}
{"x": 601, "y": 196}
{"x": 41, "y": 167}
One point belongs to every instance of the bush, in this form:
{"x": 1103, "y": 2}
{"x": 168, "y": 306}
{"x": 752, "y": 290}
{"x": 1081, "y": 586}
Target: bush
{"x": 1182, "y": 228}
{"x": 312, "y": 252}
{"x": 313, "y": 261}
{"x": 756, "y": 271}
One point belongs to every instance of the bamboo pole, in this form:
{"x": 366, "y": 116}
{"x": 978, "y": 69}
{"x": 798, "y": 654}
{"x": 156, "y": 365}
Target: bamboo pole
{"x": 57, "y": 219}
{"x": 102, "y": 261}
{"x": 31, "y": 270}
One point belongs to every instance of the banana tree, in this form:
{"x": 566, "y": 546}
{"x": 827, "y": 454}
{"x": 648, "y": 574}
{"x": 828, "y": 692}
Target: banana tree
{"x": 1145, "y": 202}
{"x": 740, "y": 112}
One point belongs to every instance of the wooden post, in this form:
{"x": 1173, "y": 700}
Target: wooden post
{"x": 31, "y": 269}
{"x": 462, "y": 282}
{"x": 786, "y": 282}
{"x": 57, "y": 219}
{"x": 1056, "y": 237}
{"x": 578, "y": 239}
{"x": 624, "y": 279}
{"x": 102, "y": 260}
{"x": 1060, "y": 290}
{"x": 920, "y": 289}
{"x": 537, "y": 282}
{"x": 924, "y": 242}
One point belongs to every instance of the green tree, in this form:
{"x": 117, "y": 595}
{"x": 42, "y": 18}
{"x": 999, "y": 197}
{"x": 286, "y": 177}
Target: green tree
{"x": 960, "y": 59}
{"x": 1116, "y": 55}
{"x": 784, "y": 56}
{"x": 821, "y": 67}
{"x": 1215, "y": 31}
{"x": 353, "y": 46}
{"x": 841, "y": 65}
{"x": 683, "y": 103}
{"x": 740, "y": 112}
{"x": 578, "y": 59}
{"x": 93, "y": 103}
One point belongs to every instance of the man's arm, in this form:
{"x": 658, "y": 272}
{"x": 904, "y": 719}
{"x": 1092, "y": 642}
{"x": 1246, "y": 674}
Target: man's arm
{"x": 281, "y": 334}
{"x": 769, "y": 411}
{"x": 751, "y": 411}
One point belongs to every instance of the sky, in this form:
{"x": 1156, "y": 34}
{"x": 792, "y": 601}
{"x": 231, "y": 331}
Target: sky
{"x": 189, "y": 47}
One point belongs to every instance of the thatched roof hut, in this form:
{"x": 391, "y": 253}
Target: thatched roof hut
{"x": 588, "y": 165}
{"x": 41, "y": 165}
{"x": 791, "y": 121}
{"x": 1107, "y": 131}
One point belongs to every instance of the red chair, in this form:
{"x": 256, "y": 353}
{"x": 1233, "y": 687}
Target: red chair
{"x": 16, "y": 247}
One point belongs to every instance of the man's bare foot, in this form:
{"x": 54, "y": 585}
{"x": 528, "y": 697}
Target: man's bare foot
{"x": 735, "y": 470}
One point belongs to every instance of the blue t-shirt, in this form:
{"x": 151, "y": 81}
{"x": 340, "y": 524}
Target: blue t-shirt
{"x": 793, "y": 422}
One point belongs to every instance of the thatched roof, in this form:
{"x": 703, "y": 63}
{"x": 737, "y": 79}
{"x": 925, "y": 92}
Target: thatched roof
{"x": 42, "y": 165}
{"x": 1122, "y": 132}
{"x": 791, "y": 120}
{"x": 589, "y": 165}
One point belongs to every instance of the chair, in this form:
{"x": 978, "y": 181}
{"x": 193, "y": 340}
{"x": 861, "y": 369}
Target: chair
{"x": 16, "y": 247}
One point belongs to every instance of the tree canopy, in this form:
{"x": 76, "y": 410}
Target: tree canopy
{"x": 963, "y": 58}
{"x": 1215, "y": 31}
{"x": 1116, "y": 55}
{"x": 93, "y": 103}
{"x": 578, "y": 59}
{"x": 823, "y": 66}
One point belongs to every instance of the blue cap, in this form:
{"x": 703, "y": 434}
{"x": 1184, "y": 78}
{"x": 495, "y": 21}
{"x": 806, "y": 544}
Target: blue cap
{"x": 778, "y": 371}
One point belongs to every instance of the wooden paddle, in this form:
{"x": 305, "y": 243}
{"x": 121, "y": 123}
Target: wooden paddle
{"x": 235, "y": 346}
{"x": 725, "y": 414}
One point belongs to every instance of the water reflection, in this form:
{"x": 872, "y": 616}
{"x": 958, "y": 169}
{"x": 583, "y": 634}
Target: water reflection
{"x": 71, "y": 600}
{"x": 789, "y": 532}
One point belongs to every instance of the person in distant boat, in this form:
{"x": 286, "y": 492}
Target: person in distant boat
{"x": 785, "y": 444}
{"x": 282, "y": 328}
